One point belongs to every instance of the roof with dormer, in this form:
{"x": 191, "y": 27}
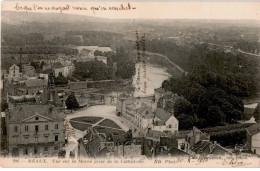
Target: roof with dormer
{"x": 24, "y": 112}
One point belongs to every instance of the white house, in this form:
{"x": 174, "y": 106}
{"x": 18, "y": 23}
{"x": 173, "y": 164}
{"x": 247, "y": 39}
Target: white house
{"x": 253, "y": 138}
{"x": 165, "y": 121}
{"x": 14, "y": 73}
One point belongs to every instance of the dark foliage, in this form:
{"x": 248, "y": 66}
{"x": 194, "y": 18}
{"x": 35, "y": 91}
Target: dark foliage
{"x": 72, "y": 102}
{"x": 97, "y": 70}
{"x": 214, "y": 88}
{"x": 61, "y": 80}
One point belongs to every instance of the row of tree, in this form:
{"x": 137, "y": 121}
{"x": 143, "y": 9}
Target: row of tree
{"x": 39, "y": 49}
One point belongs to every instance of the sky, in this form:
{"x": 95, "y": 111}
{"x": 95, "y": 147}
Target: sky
{"x": 147, "y": 10}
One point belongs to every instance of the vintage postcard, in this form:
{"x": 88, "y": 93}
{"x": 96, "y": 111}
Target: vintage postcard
{"x": 130, "y": 84}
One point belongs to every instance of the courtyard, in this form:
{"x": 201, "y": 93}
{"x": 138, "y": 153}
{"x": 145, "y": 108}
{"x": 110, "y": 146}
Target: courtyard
{"x": 101, "y": 117}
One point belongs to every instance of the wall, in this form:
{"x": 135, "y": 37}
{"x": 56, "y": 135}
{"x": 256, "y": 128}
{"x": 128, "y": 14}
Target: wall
{"x": 256, "y": 143}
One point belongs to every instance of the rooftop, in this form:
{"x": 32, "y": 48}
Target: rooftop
{"x": 254, "y": 129}
{"x": 57, "y": 65}
{"x": 207, "y": 147}
{"x": 163, "y": 115}
{"x": 24, "y": 112}
{"x": 22, "y": 98}
{"x": 36, "y": 82}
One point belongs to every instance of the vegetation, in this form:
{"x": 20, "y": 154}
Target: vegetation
{"x": 61, "y": 80}
{"x": 40, "y": 49}
{"x": 80, "y": 126}
{"x": 97, "y": 70}
{"x": 109, "y": 123}
{"x": 72, "y": 102}
{"x": 214, "y": 88}
{"x": 226, "y": 128}
{"x": 88, "y": 119}
{"x": 248, "y": 46}
{"x": 235, "y": 133}
{"x": 234, "y": 137}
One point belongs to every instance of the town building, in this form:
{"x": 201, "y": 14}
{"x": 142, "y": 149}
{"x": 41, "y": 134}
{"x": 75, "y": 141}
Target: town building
{"x": 64, "y": 68}
{"x": 35, "y": 123}
{"x": 165, "y": 121}
{"x": 253, "y": 138}
{"x": 192, "y": 143}
{"x": 35, "y": 85}
{"x": 28, "y": 71}
{"x": 13, "y": 73}
{"x": 161, "y": 93}
{"x": 166, "y": 99}
{"x": 100, "y": 145}
{"x": 252, "y": 111}
{"x": 143, "y": 116}
{"x": 24, "y": 87}
{"x": 13, "y": 88}
{"x": 35, "y": 130}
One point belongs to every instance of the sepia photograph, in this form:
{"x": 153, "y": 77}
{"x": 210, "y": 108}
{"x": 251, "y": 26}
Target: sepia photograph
{"x": 130, "y": 84}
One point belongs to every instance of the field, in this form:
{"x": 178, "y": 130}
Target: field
{"x": 109, "y": 123}
{"x": 88, "y": 119}
{"x": 80, "y": 126}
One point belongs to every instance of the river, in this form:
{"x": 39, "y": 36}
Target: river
{"x": 155, "y": 75}
{"x": 151, "y": 77}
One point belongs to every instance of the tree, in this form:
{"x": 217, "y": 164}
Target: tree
{"x": 186, "y": 121}
{"x": 72, "y": 102}
{"x": 61, "y": 80}
{"x": 182, "y": 106}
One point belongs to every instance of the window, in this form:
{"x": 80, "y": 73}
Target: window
{"x": 15, "y": 129}
{"x": 26, "y": 137}
{"x": 56, "y": 147}
{"x": 36, "y": 128}
{"x": 25, "y": 151}
{"x": 36, "y": 139}
{"x": 46, "y": 138}
{"x": 37, "y": 118}
{"x": 56, "y": 138}
{"x": 35, "y": 150}
{"x": 56, "y": 126}
{"x": 170, "y": 126}
{"x": 45, "y": 148}
{"x": 26, "y": 128}
{"x": 46, "y": 127}
{"x": 182, "y": 146}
